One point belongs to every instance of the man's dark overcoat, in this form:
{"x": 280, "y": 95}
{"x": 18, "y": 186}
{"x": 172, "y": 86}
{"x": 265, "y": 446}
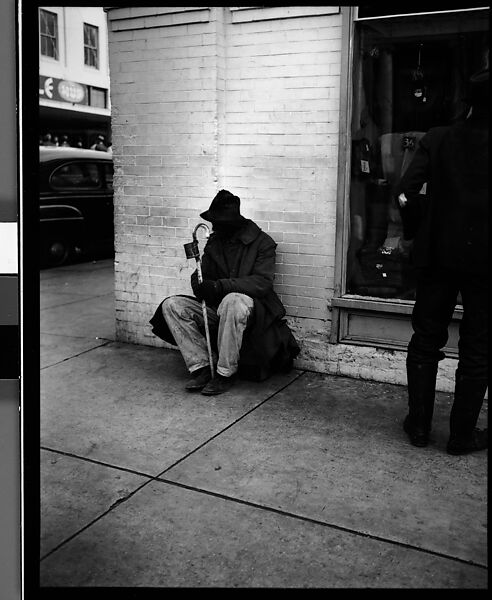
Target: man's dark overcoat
{"x": 247, "y": 265}
{"x": 450, "y": 225}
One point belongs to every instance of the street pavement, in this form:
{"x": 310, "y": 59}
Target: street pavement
{"x": 305, "y": 480}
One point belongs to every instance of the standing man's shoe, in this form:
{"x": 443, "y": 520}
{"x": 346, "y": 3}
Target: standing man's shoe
{"x": 198, "y": 380}
{"x": 421, "y": 378}
{"x": 464, "y": 437}
{"x": 218, "y": 385}
{"x": 418, "y": 436}
{"x": 478, "y": 440}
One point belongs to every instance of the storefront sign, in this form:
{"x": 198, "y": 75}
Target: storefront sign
{"x": 62, "y": 90}
{"x": 71, "y": 91}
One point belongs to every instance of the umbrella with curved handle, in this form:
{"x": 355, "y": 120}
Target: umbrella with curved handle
{"x": 192, "y": 251}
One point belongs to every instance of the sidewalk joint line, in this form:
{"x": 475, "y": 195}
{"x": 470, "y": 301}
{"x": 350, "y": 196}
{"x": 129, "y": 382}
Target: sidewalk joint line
{"x": 98, "y": 462}
{"x": 323, "y": 523}
{"x": 76, "y": 337}
{"x": 159, "y": 479}
{"x": 151, "y": 478}
{"x": 231, "y": 424}
{"x": 81, "y": 299}
{"x": 76, "y": 355}
{"x": 114, "y": 505}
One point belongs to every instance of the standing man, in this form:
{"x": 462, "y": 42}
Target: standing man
{"x": 244, "y": 314}
{"x": 450, "y": 253}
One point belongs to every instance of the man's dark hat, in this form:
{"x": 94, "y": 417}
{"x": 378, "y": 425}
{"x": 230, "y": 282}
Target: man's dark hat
{"x": 224, "y": 209}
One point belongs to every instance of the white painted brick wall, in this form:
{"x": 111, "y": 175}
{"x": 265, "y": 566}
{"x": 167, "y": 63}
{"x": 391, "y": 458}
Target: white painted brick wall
{"x": 282, "y": 115}
{"x": 252, "y": 107}
{"x": 164, "y": 98}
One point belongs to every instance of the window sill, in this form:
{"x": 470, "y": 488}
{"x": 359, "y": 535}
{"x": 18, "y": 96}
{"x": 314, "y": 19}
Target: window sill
{"x": 392, "y": 305}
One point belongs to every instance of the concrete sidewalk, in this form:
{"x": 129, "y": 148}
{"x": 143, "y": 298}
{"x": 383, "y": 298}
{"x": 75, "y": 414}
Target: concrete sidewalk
{"x": 305, "y": 480}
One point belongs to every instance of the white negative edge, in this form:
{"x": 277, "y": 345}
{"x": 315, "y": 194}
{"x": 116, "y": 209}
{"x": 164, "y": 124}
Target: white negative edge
{"x": 9, "y": 264}
{"x": 21, "y": 292}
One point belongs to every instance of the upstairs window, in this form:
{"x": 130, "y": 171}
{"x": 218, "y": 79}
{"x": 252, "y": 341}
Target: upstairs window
{"x": 91, "y": 46}
{"x": 48, "y": 22}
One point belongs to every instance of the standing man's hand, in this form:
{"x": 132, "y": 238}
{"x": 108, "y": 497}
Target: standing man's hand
{"x": 402, "y": 200}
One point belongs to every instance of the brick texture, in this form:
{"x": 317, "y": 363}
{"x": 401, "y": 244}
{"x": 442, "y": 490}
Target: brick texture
{"x": 252, "y": 107}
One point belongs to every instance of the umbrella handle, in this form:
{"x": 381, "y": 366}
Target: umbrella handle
{"x": 205, "y": 319}
{"x": 192, "y": 251}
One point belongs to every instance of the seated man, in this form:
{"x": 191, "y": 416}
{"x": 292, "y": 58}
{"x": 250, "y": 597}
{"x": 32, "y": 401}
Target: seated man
{"x": 245, "y": 315}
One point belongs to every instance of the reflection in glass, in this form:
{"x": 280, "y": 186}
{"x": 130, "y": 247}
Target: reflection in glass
{"x": 410, "y": 74}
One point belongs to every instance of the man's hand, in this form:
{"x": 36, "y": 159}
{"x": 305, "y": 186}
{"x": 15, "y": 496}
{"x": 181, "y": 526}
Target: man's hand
{"x": 402, "y": 200}
{"x": 209, "y": 291}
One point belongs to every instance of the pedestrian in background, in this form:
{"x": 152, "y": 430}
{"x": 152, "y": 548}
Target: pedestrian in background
{"x": 99, "y": 144}
{"x": 450, "y": 254}
{"x": 47, "y": 141}
{"x": 65, "y": 143}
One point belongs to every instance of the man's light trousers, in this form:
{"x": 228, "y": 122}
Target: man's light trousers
{"x": 184, "y": 317}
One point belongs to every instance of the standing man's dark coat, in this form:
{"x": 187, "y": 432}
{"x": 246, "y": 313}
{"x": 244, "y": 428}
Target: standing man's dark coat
{"x": 451, "y": 224}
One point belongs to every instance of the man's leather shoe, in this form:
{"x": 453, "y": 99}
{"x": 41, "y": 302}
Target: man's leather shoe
{"x": 198, "y": 380}
{"x": 418, "y": 437}
{"x": 218, "y": 385}
{"x": 479, "y": 440}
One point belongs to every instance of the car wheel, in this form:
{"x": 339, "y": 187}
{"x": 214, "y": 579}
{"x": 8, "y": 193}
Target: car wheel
{"x": 57, "y": 253}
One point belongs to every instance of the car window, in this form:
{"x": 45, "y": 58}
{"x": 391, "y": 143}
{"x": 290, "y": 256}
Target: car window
{"x": 76, "y": 175}
{"x": 108, "y": 174}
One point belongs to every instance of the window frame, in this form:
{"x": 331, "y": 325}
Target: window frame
{"x": 107, "y": 166}
{"x": 48, "y": 36}
{"x": 93, "y": 91}
{"x": 58, "y": 188}
{"x": 345, "y": 307}
{"x": 89, "y": 49}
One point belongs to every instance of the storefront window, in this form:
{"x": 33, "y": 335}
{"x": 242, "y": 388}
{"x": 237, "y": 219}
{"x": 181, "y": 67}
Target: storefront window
{"x": 78, "y": 175}
{"x": 97, "y": 97}
{"x": 409, "y": 74}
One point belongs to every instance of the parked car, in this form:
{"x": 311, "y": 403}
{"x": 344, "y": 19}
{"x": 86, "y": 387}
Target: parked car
{"x": 76, "y": 204}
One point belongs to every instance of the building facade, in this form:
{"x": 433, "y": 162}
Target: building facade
{"x": 309, "y": 114}
{"x": 74, "y": 74}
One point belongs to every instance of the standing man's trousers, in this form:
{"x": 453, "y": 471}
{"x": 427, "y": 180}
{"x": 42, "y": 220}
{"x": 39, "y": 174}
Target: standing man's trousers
{"x": 437, "y": 292}
{"x": 184, "y": 317}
